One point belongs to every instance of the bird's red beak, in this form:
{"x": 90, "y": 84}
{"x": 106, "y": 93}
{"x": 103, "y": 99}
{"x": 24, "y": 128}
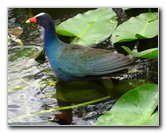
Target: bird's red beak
{"x": 31, "y": 20}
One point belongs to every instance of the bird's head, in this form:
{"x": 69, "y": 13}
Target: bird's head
{"x": 43, "y": 19}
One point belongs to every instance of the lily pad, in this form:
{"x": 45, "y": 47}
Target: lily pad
{"x": 143, "y": 26}
{"x": 150, "y": 53}
{"x": 89, "y": 28}
{"x": 135, "y": 107}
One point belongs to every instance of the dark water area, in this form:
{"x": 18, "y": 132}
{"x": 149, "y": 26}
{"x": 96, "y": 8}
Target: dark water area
{"x": 31, "y": 91}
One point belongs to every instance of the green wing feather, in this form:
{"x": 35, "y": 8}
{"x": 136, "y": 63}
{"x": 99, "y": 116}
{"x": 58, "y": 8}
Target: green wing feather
{"x": 81, "y": 61}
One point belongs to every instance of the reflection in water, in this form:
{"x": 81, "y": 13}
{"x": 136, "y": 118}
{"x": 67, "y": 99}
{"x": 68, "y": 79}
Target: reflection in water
{"x": 71, "y": 92}
{"x": 64, "y": 117}
{"x": 79, "y": 91}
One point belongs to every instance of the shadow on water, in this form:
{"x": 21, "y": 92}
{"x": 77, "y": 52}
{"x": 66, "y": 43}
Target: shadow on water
{"x": 30, "y": 94}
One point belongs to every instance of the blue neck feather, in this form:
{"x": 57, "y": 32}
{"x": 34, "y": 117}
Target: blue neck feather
{"x": 52, "y": 47}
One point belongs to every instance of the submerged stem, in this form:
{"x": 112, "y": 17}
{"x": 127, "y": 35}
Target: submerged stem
{"x": 82, "y": 104}
{"x": 63, "y": 108}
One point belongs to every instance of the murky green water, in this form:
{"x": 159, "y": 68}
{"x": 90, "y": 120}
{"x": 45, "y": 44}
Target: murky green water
{"x": 30, "y": 89}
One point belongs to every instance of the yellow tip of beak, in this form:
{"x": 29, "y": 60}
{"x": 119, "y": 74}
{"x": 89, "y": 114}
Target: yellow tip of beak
{"x": 28, "y": 21}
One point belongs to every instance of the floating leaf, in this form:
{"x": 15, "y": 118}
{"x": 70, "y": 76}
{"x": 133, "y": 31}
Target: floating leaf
{"x": 135, "y": 107}
{"x": 150, "y": 53}
{"x": 89, "y": 28}
{"x": 22, "y": 53}
{"x": 143, "y": 26}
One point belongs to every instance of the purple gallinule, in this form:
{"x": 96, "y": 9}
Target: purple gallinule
{"x": 74, "y": 62}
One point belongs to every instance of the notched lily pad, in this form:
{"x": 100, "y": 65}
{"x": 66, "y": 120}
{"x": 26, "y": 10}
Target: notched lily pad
{"x": 89, "y": 28}
{"x": 143, "y": 26}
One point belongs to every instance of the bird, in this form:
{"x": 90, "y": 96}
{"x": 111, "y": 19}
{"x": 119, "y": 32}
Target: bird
{"x": 72, "y": 62}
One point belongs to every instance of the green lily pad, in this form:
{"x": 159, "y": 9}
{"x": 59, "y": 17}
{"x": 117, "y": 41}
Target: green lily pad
{"x": 143, "y": 26}
{"x": 135, "y": 107}
{"x": 150, "y": 53}
{"x": 89, "y": 28}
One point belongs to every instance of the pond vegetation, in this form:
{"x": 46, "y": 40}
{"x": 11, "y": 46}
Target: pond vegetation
{"x": 126, "y": 98}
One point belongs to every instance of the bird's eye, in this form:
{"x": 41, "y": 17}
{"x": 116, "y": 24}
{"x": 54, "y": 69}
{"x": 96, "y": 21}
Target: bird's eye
{"x": 38, "y": 20}
{"x": 41, "y": 22}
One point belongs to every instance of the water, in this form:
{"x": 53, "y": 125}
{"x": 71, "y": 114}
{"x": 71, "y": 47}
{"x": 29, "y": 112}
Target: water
{"x": 31, "y": 93}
